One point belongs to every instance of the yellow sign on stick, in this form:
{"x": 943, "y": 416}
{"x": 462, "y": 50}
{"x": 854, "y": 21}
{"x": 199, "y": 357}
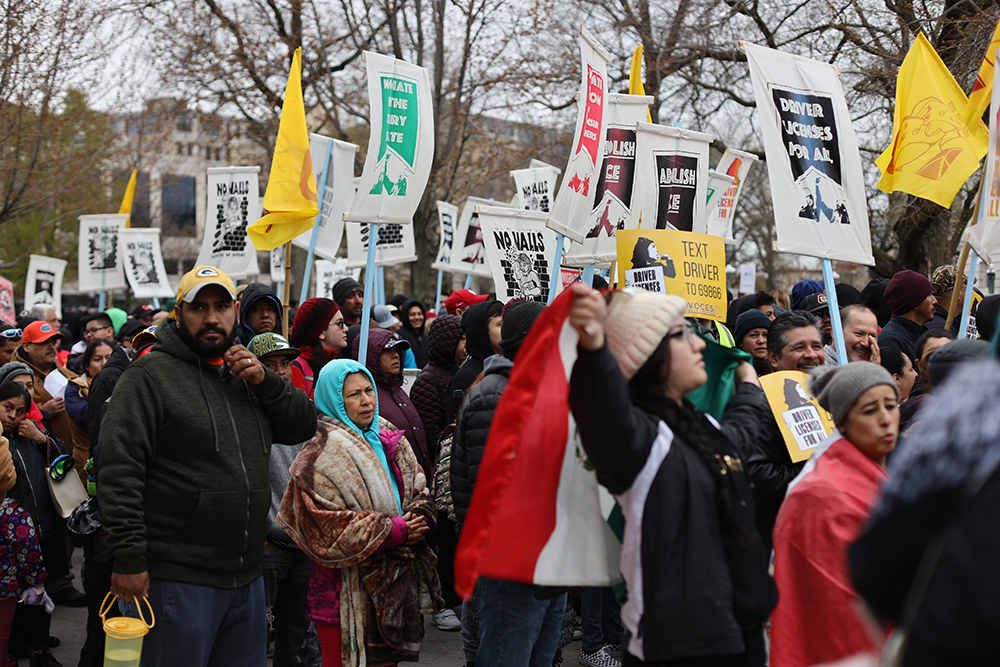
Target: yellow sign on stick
{"x": 801, "y": 420}
{"x": 692, "y": 266}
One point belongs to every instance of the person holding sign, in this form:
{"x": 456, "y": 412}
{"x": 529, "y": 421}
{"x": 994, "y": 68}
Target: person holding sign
{"x": 694, "y": 564}
{"x": 817, "y": 620}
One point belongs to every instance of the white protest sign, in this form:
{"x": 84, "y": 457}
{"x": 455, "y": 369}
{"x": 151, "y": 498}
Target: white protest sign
{"x": 276, "y": 261}
{"x": 716, "y": 184}
{"x": 43, "y": 284}
{"x": 813, "y": 163}
{"x": 534, "y": 188}
{"x": 447, "y": 217}
{"x": 143, "y": 260}
{"x": 338, "y": 192}
{"x": 672, "y": 179}
{"x": 748, "y": 278}
{"x": 468, "y": 254}
{"x": 329, "y": 273}
{"x": 233, "y": 203}
{"x": 99, "y": 265}
{"x": 984, "y": 237}
{"x": 520, "y": 250}
{"x": 737, "y": 164}
{"x": 395, "y": 244}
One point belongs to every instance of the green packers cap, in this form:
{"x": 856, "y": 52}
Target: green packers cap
{"x": 270, "y": 344}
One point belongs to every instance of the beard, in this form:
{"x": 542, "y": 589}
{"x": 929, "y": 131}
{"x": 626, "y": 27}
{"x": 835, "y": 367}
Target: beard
{"x": 200, "y": 347}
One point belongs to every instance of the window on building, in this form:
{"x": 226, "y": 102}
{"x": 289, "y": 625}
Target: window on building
{"x": 180, "y": 148}
{"x": 178, "y": 205}
{"x": 208, "y": 152}
{"x": 140, "y": 203}
{"x": 218, "y": 154}
{"x": 190, "y": 148}
{"x": 184, "y": 123}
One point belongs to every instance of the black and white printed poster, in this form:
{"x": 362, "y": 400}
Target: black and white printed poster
{"x": 140, "y": 249}
{"x": 43, "y": 284}
{"x": 672, "y": 178}
{"x": 99, "y": 265}
{"x": 519, "y": 249}
{"x": 394, "y": 245}
{"x": 329, "y": 273}
{"x": 233, "y": 204}
{"x": 468, "y": 254}
{"x": 535, "y": 187}
{"x": 447, "y": 217}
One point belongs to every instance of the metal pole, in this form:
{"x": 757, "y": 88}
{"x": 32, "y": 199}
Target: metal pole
{"x": 967, "y": 305}
{"x": 101, "y": 301}
{"x": 960, "y": 269}
{"x": 556, "y": 263}
{"x": 320, "y": 191}
{"x": 468, "y": 281}
{"x": 437, "y": 293}
{"x": 834, "y": 308}
{"x": 369, "y": 287}
{"x": 380, "y": 293}
{"x": 588, "y": 275}
{"x": 156, "y": 303}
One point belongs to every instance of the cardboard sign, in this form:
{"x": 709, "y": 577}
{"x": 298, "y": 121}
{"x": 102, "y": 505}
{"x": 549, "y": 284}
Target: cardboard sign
{"x": 802, "y": 422}
{"x": 692, "y": 266}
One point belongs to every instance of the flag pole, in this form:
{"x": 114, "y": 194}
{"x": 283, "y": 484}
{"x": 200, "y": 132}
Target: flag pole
{"x": 286, "y": 289}
{"x": 468, "y": 281}
{"x": 831, "y": 298}
{"x": 556, "y": 263}
{"x": 588, "y": 275}
{"x": 967, "y": 305}
{"x": 369, "y": 287}
{"x": 960, "y": 269}
{"x": 320, "y": 191}
{"x": 437, "y": 294}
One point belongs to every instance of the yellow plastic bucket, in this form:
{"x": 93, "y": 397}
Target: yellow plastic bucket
{"x": 123, "y": 635}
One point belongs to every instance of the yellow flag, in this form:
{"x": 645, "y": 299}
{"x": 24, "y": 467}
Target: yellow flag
{"x": 290, "y": 205}
{"x": 932, "y": 152}
{"x": 982, "y": 89}
{"x": 635, "y": 86}
{"x": 126, "y": 207}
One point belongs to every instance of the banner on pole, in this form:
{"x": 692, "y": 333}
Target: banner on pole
{"x": 233, "y": 201}
{"x": 43, "y": 284}
{"x": 99, "y": 264}
{"x": 8, "y": 314}
{"x": 801, "y": 420}
{"x": 328, "y": 273}
{"x": 143, "y": 261}
{"x": 447, "y": 216}
{"x": 984, "y": 237}
{"x": 576, "y": 193}
{"x": 813, "y": 163}
{"x": 520, "y": 248}
{"x": 394, "y": 245}
{"x": 692, "y": 266}
{"x": 277, "y": 263}
{"x": 716, "y": 184}
{"x": 401, "y": 146}
{"x": 614, "y": 200}
{"x": 737, "y": 164}
{"x": 338, "y": 192}
{"x": 535, "y": 188}
{"x": 468, "y": 254}
{"x": 672, "y": 181}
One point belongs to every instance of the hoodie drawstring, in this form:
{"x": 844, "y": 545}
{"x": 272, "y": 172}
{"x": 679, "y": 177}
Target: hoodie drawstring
{"x": 211, "y": 415}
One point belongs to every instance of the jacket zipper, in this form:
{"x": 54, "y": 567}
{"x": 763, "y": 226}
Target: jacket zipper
{"x": 246, "y": 481}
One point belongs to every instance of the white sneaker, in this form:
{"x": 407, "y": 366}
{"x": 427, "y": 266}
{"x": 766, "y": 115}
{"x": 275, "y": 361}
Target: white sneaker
{"x": 598, "y": 659}
{"x": 446, "y": 620}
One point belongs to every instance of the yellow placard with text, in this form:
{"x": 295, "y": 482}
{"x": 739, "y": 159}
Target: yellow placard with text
{"x": 692, "y": 266}
{"x": 801, "y": 420}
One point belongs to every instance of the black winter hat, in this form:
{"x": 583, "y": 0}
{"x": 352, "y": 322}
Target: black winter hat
{"x": 517, "y": 322}
{"x": 344, "y": 288}
{"x": 751, "y": 319}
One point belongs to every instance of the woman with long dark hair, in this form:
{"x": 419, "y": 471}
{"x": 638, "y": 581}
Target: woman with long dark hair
{"x": 693, "y": 562}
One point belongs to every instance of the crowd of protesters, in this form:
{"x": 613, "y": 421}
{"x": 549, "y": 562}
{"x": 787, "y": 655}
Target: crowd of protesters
{"x": 283, "y": 497}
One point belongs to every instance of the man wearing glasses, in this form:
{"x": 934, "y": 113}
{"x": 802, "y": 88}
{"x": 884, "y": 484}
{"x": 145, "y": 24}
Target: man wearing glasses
{"x": 99, "y": 326}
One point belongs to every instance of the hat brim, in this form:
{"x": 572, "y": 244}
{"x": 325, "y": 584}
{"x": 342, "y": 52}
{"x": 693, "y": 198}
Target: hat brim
{"x": 393, "y": 344}
{"x": 388, "y": 323}
{"x": 193, "y": 292}
{"x": 292, "y": 352}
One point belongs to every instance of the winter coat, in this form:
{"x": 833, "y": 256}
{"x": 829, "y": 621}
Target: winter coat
{"x": 819, "y": 519}
{"x": 183, "y": 483}
{"x": 477, "y": 342}
{"x": 695, "y": 580}
{"x": 21, "y": 563}
{"x": 59, "y": 425}
{"x": 100, "y": 391}
{"x": 251, "y": 295}
{"x": 417, "y": 339}
{"x": 473, "y": 428}
{"x": 30, "y": 460}
{"x": 393, "y": 404}
{"x": 429, "y": 392}
{"x": 941, "y": 318}
{"x": 770, "y": 469}
{"x": 903, "y": 334}
{"x": 339, "y": 508}
{"x": 76, "y": 407}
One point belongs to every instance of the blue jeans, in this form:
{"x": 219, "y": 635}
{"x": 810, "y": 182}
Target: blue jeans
{"x": 515, "y": 628}
{"x": 600, "y": 618}
{"x": 203, "y": 626}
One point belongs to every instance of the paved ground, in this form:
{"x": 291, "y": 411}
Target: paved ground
{"x": 439, "y": 649}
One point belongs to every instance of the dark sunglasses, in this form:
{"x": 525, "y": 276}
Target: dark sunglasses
{"x": 12, "y": 333}
{"x": 62, "y": 465}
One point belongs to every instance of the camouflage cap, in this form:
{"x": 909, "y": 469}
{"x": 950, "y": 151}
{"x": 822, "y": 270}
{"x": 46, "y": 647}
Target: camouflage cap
{"x": 943, "y": 279}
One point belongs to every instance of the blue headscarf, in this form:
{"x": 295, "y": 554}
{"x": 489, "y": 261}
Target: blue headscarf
{"x": 329, "y": 398}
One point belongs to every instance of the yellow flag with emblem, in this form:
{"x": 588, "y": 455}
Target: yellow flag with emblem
{"x": 635, "y": 86}
{"x": 290, "y": 204}
{"x": 932, "y": 152}
{"x": 982, "y": 90}
{"x": 126, "y": 207}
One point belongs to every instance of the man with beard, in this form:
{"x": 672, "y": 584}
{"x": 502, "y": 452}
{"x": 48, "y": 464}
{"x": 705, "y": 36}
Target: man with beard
{"x": 183, "y": 479}
{"x": 794, "y": 343}
{"x": 860, "y": 336}
{"x": 350, "y": 296}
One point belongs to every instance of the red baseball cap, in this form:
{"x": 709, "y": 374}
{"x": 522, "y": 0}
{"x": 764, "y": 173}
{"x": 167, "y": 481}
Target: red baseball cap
{"x": 462, "y": 298}
{"x": 39, "y": 332}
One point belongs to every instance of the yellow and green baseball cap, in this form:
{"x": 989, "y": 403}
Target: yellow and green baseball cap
{"x": 199, "y": 277}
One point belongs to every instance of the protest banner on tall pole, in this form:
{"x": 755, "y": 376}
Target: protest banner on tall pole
{"x": 43, "y": 284}
{"x": 394, "y": 244}
{"x": 737, "y": 164}
{"x": 447, "y": 216}
{"x": 143, "y": 263}
{"x": 717, "y": 185}
{"x": 468, "y": 255}
{"x": 233, "y": 201}
{"x": 519, "y": 246}
{"x": 535, "y": 187}
{"x": 99, "y": 262}
{"x": 328, "y": 273}
{"x": 672, "y": 178}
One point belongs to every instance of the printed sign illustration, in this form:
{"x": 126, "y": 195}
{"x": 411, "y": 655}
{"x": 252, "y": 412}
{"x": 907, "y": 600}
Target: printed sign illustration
{"x": 801, "y": 420}
{"x": 231, "y": 218}
{"x": 447, "y": 217}
{"x": 614, "y": 187}
{"x": 143, "y": 260}
{"x": 519, "y": 250}
{"x": 400, "y": 123}
{"x": 677, "y": 184}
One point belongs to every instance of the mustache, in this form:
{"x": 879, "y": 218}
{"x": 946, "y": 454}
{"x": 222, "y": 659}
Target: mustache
{"x": 211, "y": 329}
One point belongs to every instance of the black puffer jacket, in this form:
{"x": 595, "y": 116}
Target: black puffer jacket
{"x": 472, "y": 429}
{"x": 476, "y": 325}
{"x": 417, "y": 338}
{"x": 770, "y": 468}
{"x": 429, "y": 392}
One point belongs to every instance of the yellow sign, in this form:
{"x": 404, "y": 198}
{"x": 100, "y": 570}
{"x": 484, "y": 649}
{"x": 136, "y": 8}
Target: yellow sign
{"x": 802, "y": 422}
{"x": 692, "y": 266}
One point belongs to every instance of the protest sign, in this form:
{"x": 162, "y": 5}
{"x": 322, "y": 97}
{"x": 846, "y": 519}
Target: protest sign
{"x": 338, "y": 192}
{"x": 519, "y": 251}
{"x": 535, "y": 187}
{"x": 716, "y": 185}
{"x": 233, "y": 201}
{"x": 43, "y": 284}
{"x": 447, "y": 217}
{"x": 99, "y": 265}
{"x": 692, "y": 266}
{"x": 748, "y": 278}
{"x": 568, "y": 276}
{"x": 613, "y": 197}
{"x": 736, "y": 164}
{"x": 401, "y": 144}
{"x": 813, "y": 164}
{"x": 277, "y": 262}
{"x": 468, "y": 255}
{"x": 328, "y": 273}
{"x": 576, "y": 192}
{"x": 984, "y": 237}
{"x": 140, "y": 249}
{"x": 395, "y": 244}
{"x": 672, "y": 179}
{"x": 7, "y": 312}
{"x": 801, "y": 420}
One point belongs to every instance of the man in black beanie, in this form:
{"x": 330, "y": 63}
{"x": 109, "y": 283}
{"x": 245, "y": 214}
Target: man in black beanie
{"x": 350, "y": 296}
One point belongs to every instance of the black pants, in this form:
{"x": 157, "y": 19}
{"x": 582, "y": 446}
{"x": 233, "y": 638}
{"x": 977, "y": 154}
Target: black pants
{"x": 754, "y": 655}
{"x": 444, "y": 541}
{"x": 30, "y": 629}
{"x": 98, "y": 563}
{"x": 286, "y": 589}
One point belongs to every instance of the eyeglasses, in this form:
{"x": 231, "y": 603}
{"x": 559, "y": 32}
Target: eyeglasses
{"x": 687, "y": 334}
{"x": 91, "y": 332}
{"x": 62, "y": 465}
{"x": 341, "y": 323}
{"x": 12, "y": 333}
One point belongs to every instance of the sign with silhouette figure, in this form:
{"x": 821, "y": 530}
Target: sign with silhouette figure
{"x": 801, "y": 420}
{"x": 813, "y": 163}
{"x": 519, "y": 248}
{"x": 43, "y": 283}
{"x": 692, "y": 266}
{"x": 672, "y": 179}
{"x": 100, "y": 264}
{"x": 140, "y": 250}
{"x": 447, "y": 217}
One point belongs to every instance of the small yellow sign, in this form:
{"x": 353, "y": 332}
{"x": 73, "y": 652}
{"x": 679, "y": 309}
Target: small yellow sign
{"x": 801, "y": 420}
{"x": 692, "y": 266}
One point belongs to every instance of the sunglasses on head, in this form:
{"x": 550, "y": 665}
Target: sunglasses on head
{"x": 62, "y": 465}
{"x": 11, "y": 333}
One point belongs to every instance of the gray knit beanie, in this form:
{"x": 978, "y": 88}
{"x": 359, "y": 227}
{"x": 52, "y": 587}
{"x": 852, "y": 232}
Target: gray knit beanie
{"x": 837, "y": 388}
{"x": 12, "y": 369}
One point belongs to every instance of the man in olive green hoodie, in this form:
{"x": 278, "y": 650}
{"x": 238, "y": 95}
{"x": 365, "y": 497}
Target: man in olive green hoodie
{"x": 183, "y": 480}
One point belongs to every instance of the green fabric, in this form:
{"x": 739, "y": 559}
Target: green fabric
{"x": 720, "y": 364}
{"x": 183, "y": 478}
{"x": 118, "y": 317}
